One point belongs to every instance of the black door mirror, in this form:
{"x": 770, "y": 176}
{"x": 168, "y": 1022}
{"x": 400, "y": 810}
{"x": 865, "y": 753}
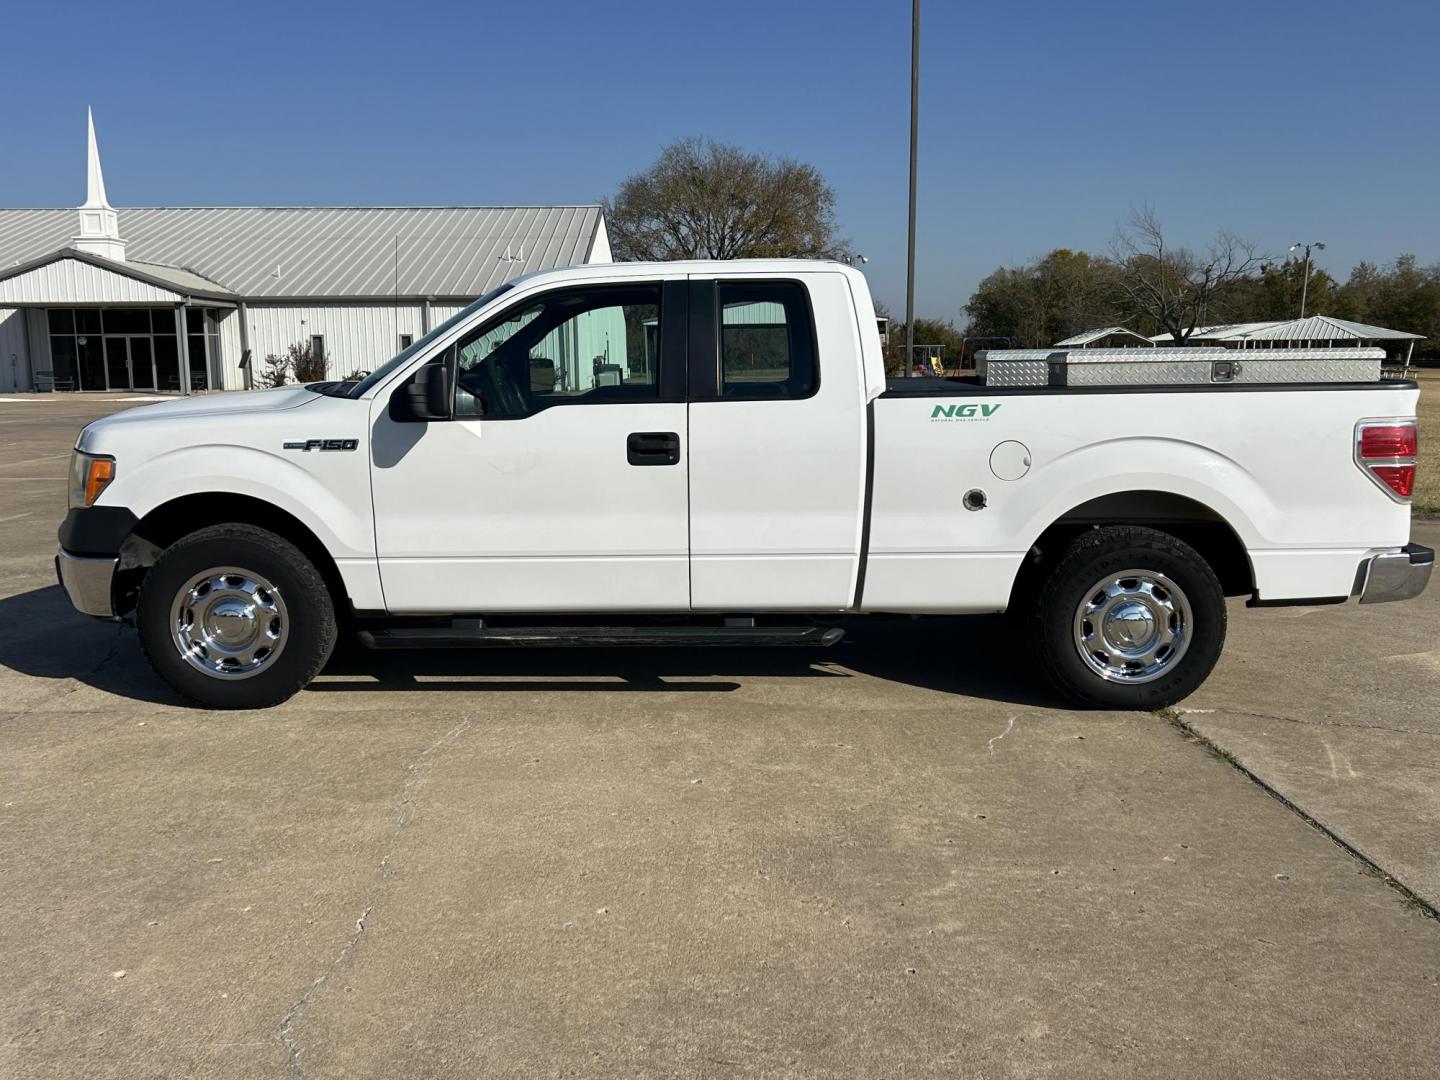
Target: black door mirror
{"x": 424, "y": 396}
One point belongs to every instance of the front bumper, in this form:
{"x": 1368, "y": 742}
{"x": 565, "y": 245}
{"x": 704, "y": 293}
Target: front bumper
{"x": 1396, "y": 575}
{"x": 88, "y": 582}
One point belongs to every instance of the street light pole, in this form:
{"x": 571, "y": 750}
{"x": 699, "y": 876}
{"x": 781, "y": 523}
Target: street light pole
{"x": 1305, "y": 281}
{"x": 914, "y": 149}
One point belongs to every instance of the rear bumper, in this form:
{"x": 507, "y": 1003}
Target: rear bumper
{"x": 1396, "y": 575}
{"x": 88, "y": 582}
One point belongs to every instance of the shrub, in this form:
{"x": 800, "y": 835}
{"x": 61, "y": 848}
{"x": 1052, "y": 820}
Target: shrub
{"x": 275, "y": 373}
{"x": 307, "y": 365}
{"x": 299, "y": 361}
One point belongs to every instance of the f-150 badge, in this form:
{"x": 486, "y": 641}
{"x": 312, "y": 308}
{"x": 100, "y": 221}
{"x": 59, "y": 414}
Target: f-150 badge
{"x": 323, "y": 444}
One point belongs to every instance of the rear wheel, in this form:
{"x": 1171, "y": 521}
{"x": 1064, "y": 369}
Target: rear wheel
{"x": 235, "y": 617}
{"x": 1130, "y": 618}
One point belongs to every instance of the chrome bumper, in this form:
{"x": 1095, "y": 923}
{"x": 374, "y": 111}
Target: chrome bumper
{"x": 87, "y": 582}
{"x": 1397, "y": 575}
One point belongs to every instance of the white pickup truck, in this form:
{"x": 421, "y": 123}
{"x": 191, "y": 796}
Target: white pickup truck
{"x": 704, "y": 453}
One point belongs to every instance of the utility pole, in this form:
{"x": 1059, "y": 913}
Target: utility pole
{"x": 914, "y": 147}
{"x": 1305, "y": 281}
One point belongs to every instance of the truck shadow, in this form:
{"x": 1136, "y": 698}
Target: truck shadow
{"x": 42, "y": 637}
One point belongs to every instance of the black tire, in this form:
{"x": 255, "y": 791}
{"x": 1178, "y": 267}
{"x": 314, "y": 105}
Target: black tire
{"x": 1114, "y": 550}
{"x": 310, "y": 609}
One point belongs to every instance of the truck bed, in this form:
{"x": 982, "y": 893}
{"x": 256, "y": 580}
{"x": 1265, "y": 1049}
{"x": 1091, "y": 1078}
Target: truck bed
{"x": 1272, "y": 463}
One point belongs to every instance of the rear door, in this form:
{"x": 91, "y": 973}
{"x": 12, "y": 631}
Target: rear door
{"x": 560, "y": 483}
{"x": 777, "y": 442}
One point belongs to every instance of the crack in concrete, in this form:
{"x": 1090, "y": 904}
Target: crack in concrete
{"x": 1308, "y": 723}
{"x": 1009, "y": 727}
{"x": 404, "y": 814}
{"x": 293, "y": 1050}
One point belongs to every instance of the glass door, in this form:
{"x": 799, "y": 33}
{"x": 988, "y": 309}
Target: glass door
{"x": 90, "y": 362}
{"x": 117, "y": 363}
{"x": 142, "y": 366}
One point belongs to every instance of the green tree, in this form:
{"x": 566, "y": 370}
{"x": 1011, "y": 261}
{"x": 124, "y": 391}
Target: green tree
{"x": 1046, "y": 301}
{"x": 1404, "y": 296}
{"x": 1274, "y": 294}
{"x": 707, "y": 200}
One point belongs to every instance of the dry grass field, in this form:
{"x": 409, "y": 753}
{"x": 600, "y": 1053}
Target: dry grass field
{"x": 1427, "y": 482}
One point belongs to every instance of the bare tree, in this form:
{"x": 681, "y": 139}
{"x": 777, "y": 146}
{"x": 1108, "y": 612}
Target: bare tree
{"x": 706, "y": 200}
{"x": 1175, "y": 287}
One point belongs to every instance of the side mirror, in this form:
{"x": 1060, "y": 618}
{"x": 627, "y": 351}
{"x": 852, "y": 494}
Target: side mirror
{"x": 424, "y": 396}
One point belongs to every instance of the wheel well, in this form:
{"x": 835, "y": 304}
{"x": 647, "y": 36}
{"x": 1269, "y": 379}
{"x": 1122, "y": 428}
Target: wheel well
{"x": 170, "y": 521}
{"x": 1184, "y": 518}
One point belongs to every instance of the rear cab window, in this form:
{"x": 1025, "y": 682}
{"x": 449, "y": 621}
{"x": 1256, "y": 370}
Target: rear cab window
{"x": 767, "y": 341}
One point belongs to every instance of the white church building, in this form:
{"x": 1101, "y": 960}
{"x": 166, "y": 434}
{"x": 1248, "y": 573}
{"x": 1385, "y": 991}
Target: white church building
{"x": 194, "y": 298}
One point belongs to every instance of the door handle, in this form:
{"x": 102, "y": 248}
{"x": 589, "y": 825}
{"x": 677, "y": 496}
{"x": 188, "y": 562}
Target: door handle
{"x": 653, "y": 448}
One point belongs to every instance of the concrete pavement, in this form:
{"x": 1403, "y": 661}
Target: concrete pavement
{"x": 1339, "y": 709}
{"x": 896, "y": 858}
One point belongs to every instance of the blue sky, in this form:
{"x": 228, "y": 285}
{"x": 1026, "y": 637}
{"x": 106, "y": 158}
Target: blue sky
{"x": 1041, "y": 123}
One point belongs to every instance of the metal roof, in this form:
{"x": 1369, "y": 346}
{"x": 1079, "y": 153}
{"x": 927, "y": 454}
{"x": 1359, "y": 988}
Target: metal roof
{"x": 186, "y": 281}
{"x": 1325, "y": 328}
{"x": 1311, "y": 328}
{"x": 1081, "y": 340}
{"x": 281, "y": 252}
{"x": 1218, "y": 332}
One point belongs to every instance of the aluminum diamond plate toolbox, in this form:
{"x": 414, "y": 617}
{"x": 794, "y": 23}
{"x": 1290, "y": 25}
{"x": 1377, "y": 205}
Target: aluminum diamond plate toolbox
{"x": 1184, "y": 366}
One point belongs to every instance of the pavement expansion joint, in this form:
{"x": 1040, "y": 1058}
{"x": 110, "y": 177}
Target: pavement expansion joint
{"x": 1304, "y": 721}
{"x": 1412, "y": 899}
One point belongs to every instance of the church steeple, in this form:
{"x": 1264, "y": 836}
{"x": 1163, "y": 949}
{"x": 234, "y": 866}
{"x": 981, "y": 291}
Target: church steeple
{"x": 99, "y": 224}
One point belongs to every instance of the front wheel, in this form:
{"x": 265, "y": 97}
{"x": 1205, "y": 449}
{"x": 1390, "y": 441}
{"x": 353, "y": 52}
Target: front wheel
{"x": 1130, "y": 618}
{"x": 235, "y": 617}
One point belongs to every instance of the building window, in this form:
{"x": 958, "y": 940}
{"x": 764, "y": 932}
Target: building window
{"x": 406, "y": 340}
{"x": 317, "y": 346}
{"x": 114, "y": 348}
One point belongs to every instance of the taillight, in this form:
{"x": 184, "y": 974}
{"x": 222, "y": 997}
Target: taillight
{"x": 1388, "y": 440}
{"x": 1386, "y": 450}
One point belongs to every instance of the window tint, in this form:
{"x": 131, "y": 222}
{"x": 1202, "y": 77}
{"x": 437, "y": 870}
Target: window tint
{"x": 126, "y": 320}
{"x": 578, "y": 346}
{"x": 767, "y": 343}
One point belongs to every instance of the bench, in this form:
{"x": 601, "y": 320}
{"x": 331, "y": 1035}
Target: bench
{"x": 48, "y": 382}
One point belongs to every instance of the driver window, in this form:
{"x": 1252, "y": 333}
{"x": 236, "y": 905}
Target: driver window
{"x": 577, "y": 346}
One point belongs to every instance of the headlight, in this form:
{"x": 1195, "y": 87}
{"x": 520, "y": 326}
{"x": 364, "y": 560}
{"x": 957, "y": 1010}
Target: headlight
{"x": 90, "y": 474}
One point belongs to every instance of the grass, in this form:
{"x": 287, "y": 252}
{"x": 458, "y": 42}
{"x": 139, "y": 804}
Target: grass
{"x": 1427, "y": 480}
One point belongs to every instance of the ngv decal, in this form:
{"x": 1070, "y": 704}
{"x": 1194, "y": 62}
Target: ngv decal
{"x": 323, "y": 444}
{"x": 963, "y": 412}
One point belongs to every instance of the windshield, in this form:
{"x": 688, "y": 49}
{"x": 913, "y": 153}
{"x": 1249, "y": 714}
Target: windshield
{"x": 359, "y": 389}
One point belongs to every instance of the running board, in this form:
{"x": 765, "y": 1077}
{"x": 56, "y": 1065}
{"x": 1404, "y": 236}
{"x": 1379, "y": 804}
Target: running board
{"x": 446, "y": 637}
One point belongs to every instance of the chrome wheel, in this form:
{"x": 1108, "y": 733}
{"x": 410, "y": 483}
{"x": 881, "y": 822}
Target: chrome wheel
{"x": 1133, "y": 627}
{"x": 229, "y": 623}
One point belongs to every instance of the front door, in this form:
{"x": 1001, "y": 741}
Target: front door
{"x": 560, "y": 484}
{"x": 117, "y": 363}
{"x": 129, "y": 364}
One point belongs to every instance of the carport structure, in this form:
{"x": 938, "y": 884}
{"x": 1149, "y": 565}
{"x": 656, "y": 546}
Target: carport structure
{"x": 1311, "y": 332}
